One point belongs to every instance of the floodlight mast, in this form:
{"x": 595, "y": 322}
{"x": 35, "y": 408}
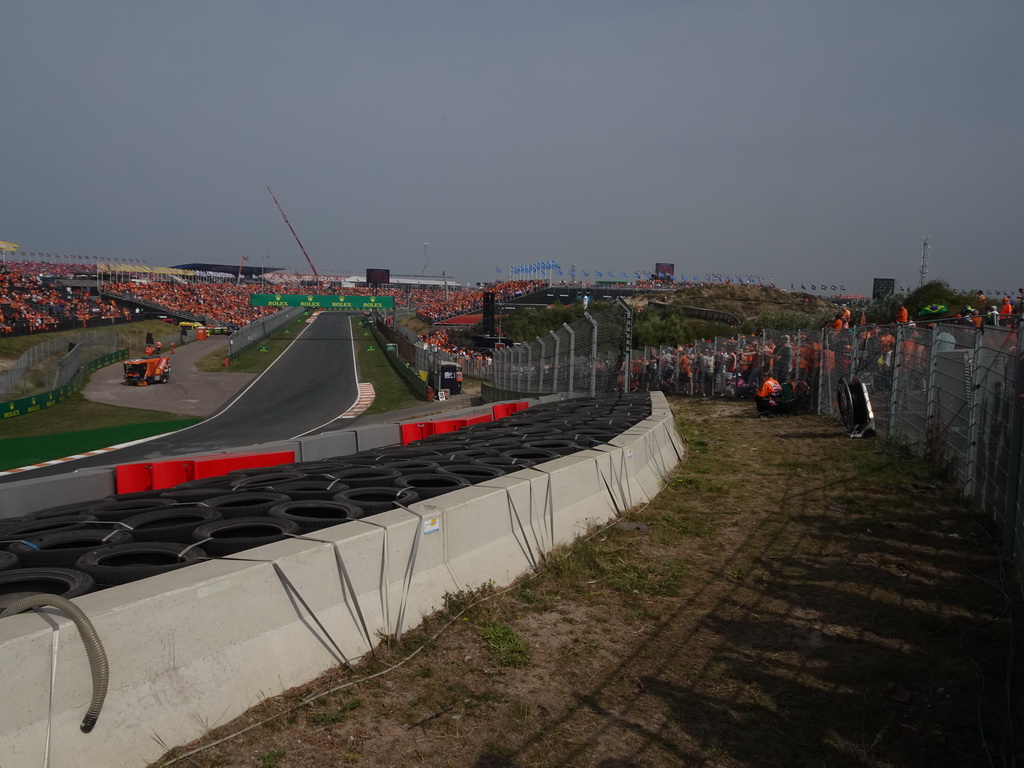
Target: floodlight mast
{"x": 285, "y": 217}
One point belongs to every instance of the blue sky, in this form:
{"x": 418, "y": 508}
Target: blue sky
{"x": 813, "y": 142}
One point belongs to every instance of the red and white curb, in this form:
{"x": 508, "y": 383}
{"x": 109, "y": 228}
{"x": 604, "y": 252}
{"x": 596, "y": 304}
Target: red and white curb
{"x": 83, "y": 455}
{"x": 364, "y": 401}
{"x": 52, "y": 462}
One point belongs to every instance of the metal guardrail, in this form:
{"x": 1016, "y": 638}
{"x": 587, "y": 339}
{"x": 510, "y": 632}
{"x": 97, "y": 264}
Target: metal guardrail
{"x": 247, "y": 337}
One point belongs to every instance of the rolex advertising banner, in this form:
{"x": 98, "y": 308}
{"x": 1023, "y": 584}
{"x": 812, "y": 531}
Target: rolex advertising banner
{"x": 342, "y": 303}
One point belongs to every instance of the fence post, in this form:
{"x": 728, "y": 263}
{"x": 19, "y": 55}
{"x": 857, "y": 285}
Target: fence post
{"x": 973, "y": 419}
{"x": 628, "y": 341}
{"x": 572, "y": 357}
{"x": 540, "y": 366}
{"x": 554, "y": 363}
{"x": 1015, "y": 468}
{"x": 593, "y": 355}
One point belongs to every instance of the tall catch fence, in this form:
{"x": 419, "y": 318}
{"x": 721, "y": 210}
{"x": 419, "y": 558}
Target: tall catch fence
{"x": 582, "y": 358}
{"x": 951, "y": 394}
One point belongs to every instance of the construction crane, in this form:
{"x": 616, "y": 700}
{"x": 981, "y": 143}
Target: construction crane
{"x": 285, "y": 217}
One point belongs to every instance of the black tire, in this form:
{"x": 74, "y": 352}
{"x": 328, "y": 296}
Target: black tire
{"x": 472, "y": 454}
{"x": 191, "y": 496}
{"x": 64, "y": 510}
{"x": 314, "y": 515}
{"x": 431, "y": 484}
{"x": 309, "y": 489}
{"x": 174, "y": 524}
{"x": 507, "y": 463}
{"x": 25, "y": 528}
{"x": 123, "y": 563}
{"x": 62, "y": 548}
{"x": 320, "y": 470}
{"x": 119, "y": 510}
{"x": 245, "y": 504}
{"x": 410, "y": 465}
{"x": 367, "y": 477}
{"x": 23, "y": 582}
{"x": 237, "y": 534}
{"x": 536, "y": 455}
{"x": 561, "y": 447}
{"x": 377, "y": 499}
{"x": 473, "y": 473}
{"x": 152, "y": 493}
{"x": 8, "y": 560}
{"x": 265, "y": 480}
{"x": 220, "y": 481}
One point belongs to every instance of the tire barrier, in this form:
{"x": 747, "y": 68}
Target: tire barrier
{"x": 26, "y": 527}
{"x": 22, "y": 582}
{"x": 373, "y": 500}
{"x": 124, "y": 563}
{"x": 237, "y": 534}
{"x": 173, "y": 524}
{"x": 61, "y": 548}
{"x": 247, "y": 626}
{"x": 314, "y": 515}
{"x": 430, "y": 484}
{"x": 8, "y": 560}
{"x": 435, "y": 458}
{"x": 245, "y": 504}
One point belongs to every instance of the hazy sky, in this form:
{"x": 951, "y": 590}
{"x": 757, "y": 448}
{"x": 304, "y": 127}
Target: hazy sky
{"x": 816, "y": 142}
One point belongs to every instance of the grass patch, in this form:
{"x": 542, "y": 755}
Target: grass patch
{"x": 254, "y": 361}
{"x": 507, "y": 648}
{"x": 390, "y": 392}
{"x": 22, "y": 451}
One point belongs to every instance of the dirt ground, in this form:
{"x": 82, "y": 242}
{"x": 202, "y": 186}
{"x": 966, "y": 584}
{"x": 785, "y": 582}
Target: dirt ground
{"x": 792, "y": 598}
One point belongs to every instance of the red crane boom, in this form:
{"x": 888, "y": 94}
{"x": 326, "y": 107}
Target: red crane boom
{"x": 285, "y": 217}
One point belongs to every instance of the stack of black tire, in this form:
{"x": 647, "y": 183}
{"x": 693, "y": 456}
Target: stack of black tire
{"x": 75, "y": 548}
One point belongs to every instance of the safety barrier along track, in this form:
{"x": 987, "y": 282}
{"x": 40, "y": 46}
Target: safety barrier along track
{"x": 195, "y": 647}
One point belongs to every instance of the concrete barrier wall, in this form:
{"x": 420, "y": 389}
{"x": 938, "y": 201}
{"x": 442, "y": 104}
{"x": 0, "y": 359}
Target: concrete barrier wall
{"x": 195, "y": 648}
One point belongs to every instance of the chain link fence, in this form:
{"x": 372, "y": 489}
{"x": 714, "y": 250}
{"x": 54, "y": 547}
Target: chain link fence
{"x": 54, "y": 363}
{"x": 588, "y": 356}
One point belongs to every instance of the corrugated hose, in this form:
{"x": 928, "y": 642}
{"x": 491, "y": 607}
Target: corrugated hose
{"x": 93, "y": 647}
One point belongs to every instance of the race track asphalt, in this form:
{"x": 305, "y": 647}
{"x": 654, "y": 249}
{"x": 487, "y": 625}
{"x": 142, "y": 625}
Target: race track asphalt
{"x": 302, "y": 393}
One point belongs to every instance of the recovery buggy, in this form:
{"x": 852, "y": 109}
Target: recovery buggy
{"x": 142, "y": 371}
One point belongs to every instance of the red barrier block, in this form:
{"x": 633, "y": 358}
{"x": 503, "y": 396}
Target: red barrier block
{"x": 444, "y": 425}
{"x": 501, "y": 410}
{"x": 522, "y": 406}
{"x": 221, "y": 464}
{"x": 166, "y": 474}
{"x": 132, "y": 478}
{"x": 411, "y": 432}
{"x": 483, "y": 417}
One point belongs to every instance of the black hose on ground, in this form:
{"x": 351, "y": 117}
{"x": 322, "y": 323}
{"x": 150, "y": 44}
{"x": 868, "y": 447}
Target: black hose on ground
{"x": 93, "y": 647}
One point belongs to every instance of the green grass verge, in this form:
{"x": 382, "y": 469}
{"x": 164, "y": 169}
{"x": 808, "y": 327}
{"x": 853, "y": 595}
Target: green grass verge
{"x": 390, "y": 392}
{"x": 22, "y": 451}
{"x": 254, "y": 361}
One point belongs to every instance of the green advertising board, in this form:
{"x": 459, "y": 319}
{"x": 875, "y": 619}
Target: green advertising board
{"x": 342, "y": 303}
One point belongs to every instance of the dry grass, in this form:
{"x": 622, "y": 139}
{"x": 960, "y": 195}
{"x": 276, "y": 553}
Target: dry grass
{"x": 792, "y": 598}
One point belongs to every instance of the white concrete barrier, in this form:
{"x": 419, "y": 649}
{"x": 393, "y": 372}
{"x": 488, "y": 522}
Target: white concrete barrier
{"x": 193, "y": 649}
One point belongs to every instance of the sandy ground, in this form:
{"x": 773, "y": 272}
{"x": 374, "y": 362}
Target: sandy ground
{"x": 188, "y": 391}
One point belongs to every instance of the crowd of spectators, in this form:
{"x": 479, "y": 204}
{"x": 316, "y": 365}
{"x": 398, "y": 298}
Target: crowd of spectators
{"x": 29, "y": 304}
{"x": 224, "y": 304}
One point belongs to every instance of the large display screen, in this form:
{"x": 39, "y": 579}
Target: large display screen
{"x": 378, "y": 275}
{"x": 664, "y": 270}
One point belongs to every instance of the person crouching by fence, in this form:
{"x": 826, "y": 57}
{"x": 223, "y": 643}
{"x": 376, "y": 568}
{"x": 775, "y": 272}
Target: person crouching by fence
{"x": 769, "y": 398}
